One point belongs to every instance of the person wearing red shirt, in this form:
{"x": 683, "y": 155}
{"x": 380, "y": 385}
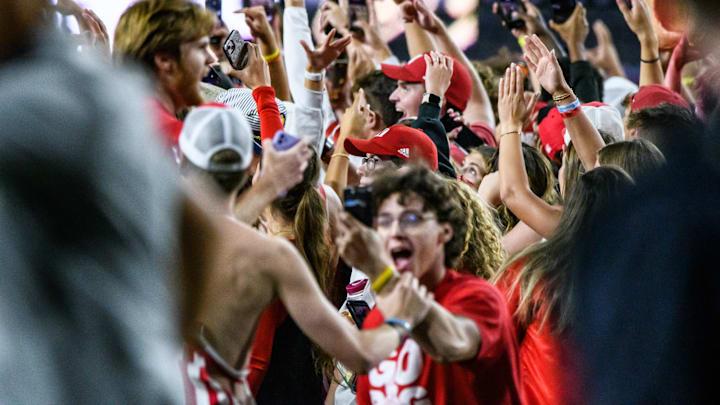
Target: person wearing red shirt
{"x": 464, "y": 351}
{"x": 171, "y": 40}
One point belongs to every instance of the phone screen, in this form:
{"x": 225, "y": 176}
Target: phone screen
{"x": 359, "y": 310}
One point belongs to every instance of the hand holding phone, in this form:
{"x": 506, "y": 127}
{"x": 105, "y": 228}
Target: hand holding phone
{"x": 506, "y": 9}
{"x": 237, "y": 50}
{"x": 358, "y": 202}
{"x": 284, "y": 141}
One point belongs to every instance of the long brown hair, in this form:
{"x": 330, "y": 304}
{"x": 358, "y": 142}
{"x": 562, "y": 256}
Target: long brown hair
{"x": 545, "y": 280}
{"x": 304, "y": 208}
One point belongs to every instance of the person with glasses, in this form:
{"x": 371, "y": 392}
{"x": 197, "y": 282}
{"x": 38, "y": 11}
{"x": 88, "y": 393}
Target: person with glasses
{"x": 390, "y": 148}
{"x": 464, "y": 351}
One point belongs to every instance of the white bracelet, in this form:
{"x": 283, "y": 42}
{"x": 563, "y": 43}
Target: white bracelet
{"x": 315, "y": 77}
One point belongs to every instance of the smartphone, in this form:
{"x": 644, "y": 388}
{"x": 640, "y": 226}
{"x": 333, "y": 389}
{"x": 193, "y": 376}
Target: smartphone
{"x": 284, "y": 141}
{"x": 218, "y": 78}
{"x": 358, "y": 311}
{"x": 562, "y": 10}
{"x": 237, "y": 50}
{"x": 466, "y": 138}
{"x": 506, "y": 8}
{"x": 358, "y": 202}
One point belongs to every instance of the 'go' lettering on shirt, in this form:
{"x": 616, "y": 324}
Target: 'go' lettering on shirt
{"x": 396, "y": 380}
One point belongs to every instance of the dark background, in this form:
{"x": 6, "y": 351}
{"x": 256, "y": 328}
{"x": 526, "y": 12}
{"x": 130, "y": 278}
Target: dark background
{"x": 493, "y": 36}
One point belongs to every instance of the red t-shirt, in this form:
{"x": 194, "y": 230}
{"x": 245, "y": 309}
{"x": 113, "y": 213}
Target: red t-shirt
{"x": 261, "y": 351}
{"x": 167, "y": 123}
{"x": 409, "y": 376}
{"x": 544, "y": 357}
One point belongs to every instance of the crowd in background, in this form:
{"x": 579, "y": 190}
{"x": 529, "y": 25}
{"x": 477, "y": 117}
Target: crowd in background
{"x": 302, "y": 217}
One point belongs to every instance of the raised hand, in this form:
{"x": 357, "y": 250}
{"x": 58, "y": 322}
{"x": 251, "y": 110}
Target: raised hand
{"x": 332, "y": 14}
{"x": 356, "y": 116}
{"x": 282, "y": 170}
{"x": 96, "y": 32}
{"x": 322, "y": 56}
{"x": 438, "y": 72}
{"x": 545, "y": 66}
{"x": 605, "y": 55}
{"x": 638, "y": 18}
{"x": 408, "y": 300}
{"x": 257, "y": 73}
{"x": 574, "y": 31}
{"x": 514, "y": 108}
{"x": 533, "y": 18}
{"x": 257, "y": 21}
{"x": 416, "y": 10}
{"x": 360, "y": 62}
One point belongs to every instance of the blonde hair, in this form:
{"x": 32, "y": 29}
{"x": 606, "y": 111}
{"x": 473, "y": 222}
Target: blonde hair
{"x": 150, "y": 27}
{"x": 482, "y": 252}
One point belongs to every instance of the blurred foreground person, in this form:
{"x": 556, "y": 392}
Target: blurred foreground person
{"x": 644, "y": 323}
{"x": 88, "y": 214}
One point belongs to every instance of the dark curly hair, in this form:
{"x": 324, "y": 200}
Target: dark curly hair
{"x": 431, "y": 188}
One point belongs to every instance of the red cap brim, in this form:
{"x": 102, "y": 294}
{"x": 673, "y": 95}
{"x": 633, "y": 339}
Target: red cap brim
{"x": 401, "y": 72}
{"x": 359, "y": 147}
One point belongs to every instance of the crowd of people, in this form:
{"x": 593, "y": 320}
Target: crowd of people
{"x": 325, "y": 224}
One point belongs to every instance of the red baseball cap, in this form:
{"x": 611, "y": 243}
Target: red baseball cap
{"x": 653, "y": 95}
{"x": 407, "y": 143}
{"x": 457, "y": 94}
{"x": 552, "y": 133}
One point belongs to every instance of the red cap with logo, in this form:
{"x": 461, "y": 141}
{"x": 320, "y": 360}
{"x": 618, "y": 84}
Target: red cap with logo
{"x": 457, "y": 94}
{"x": 407, "y": 143}
{"x": 653, "y": 95}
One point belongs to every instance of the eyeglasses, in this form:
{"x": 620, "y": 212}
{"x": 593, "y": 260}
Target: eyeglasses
{"x": 406, "y": 220}
{"x": 215, "y": 40}
{"x": 370, "y": 162}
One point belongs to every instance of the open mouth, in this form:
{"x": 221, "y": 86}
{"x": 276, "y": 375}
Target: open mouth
{"x": 401, "y": 258}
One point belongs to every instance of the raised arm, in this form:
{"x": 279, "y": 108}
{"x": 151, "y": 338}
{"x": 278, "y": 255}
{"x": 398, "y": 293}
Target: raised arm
{"x": 418, "y": 40}
{"x": 638, "y": 19}
{"x": 256, "y": 76}
{"x": 515, "y": 191}
{"x": 478, "y": 108}
{"x": 438, "y": 71}
{"x": 260, "y": 28}
{"x": 280, "y": 171}
{"x": 316, "y": 317}
{"x": 351, "y": 126}
{"x": 585, "y": 137}
{"x": 605, "y": 55}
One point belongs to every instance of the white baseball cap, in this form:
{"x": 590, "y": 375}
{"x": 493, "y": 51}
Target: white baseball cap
{"x": 605, "y": 119}
{"x": 210, "y": 129}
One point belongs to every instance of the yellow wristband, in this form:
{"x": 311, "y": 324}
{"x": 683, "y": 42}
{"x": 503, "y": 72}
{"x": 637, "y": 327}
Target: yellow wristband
{"x": 272, "y": 56}
{"x": 521, "y": 42}
{"x": 382, "y": 281}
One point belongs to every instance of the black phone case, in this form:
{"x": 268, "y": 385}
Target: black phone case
{"x": 358, "y": 202}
